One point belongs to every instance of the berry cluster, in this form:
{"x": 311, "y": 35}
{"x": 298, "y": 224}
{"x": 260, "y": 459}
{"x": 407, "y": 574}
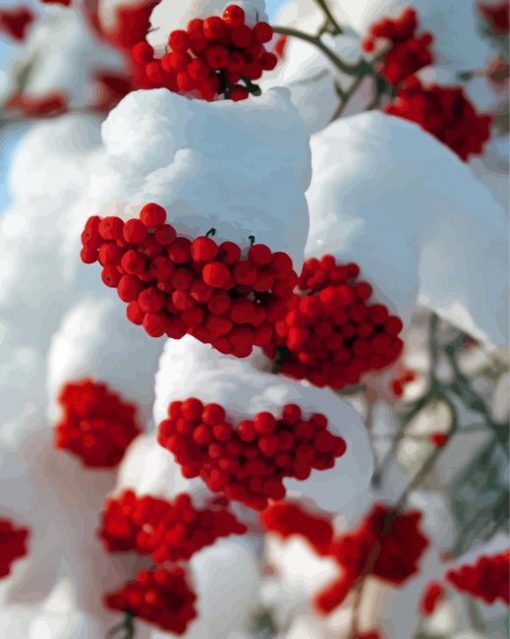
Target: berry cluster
{"x": 488, "y": 579}
{"x": 51, "y": 104}
{"x": 332, "y": 334}
{"x": 249, "y": 461}
{"x": 169, "y": 531}
{"x": 97, "y": 424}
{"x": 13, "y": 545}
{"x": 405, "y": 52}
{"x": 432, "y": 596}
{"x": 218, "y": 56}
{"x": 175, "y": 286}
{"x": 446, "y": 113}
{"x": 286, "y": 519}
{"x": 498, "y": 15}
{"x": 161, "y": 597}
{"x": 16, "y": 22}
{"x": 401, "y": 545}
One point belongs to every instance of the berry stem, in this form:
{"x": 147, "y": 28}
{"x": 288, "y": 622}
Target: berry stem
{"x": 254, "y": 89}
{"x": 252, "y": 239}
{"x": 211, "y": 232}
{"x": 349, "y": 69}
{"x": 127, "y": 625}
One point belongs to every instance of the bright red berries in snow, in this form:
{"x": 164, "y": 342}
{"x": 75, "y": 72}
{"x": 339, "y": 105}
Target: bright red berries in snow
{"x": 333, "y": 333}
{"x": 161, "y": 597}
{"x": 13, "y": 544}
{"x": 431, "y": 598}
{"x": 487, "y": 579}
{"x": 248, "y": 461}
{"x": 287, "y": 519}
{"x": 97, "y": 424}
{"x": 446, "y": 113}
{"x": 401, "y": 546}
{"x": 405, "y": 52}
{"x": 177, "y": 286}
{"x": 16, "y": 21}
{"x": 218, "y": 56}
{"x": 167, "y": 530}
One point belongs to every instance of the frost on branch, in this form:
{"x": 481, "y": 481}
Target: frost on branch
{"x": 241, "y": 169}
{"x": 191, "y": 369}
{"x": 419, "y": 224}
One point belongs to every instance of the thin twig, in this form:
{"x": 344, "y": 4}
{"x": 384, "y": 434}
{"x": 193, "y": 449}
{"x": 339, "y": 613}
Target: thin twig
{"x": 349, "y": 69}
{"x": 323, "y": 5}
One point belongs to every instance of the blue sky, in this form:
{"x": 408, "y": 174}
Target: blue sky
{"x": 8, "y": 140}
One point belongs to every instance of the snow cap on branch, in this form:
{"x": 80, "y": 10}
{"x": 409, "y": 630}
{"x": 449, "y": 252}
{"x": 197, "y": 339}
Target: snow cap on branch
{"x": 239, "y": 168}
{"x": 95, "y": 341}
{"x": 391, "y": 198}
{"x": 191, "y": 369}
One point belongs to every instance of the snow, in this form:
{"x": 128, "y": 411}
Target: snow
{"x": 240, "y": 168}
{"x": 390, "y": 197}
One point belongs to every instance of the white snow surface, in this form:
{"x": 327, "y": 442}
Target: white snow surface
{"x": 95, "y": 340}
{"x": 390, "y": 197}
{"x": 239, "y": 168}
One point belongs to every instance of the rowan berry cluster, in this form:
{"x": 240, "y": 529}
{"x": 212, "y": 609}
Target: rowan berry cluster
{"x": 16, "y": 22}
{"x": 498, "y": 15}
{"x": 51, "y": 104}
{"x": 446, "y": 113}
{"x": 161, "y": 597}
{"x": 401, "y": 545}
{"x": 13, "y": 544}
{"x": 175, "y": 286}
{"x": 288, "y": 518}
{"x": 405, "y": 52}
{"x": 167, "y": 530}
{"x": 218, "y": 56}
{"x": 248, "y": 461}
{"x": 431, "y": 598}
{"x": 332, "y": 333}
{"x": 97, "y": 424}
{"x": 488, "y": 579}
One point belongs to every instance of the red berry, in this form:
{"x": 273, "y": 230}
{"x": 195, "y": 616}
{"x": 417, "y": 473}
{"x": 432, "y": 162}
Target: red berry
{"x": 110, "y": 228}
{"x": 134, "y": 231}
{"x": 234, "y": 15}
{"x": 216, "y": 274}
{"x": 203, "y": 249}
{"x": 153, "y": 215}
{"x": 263, "y": 32}
{"x": 179, "y": 40}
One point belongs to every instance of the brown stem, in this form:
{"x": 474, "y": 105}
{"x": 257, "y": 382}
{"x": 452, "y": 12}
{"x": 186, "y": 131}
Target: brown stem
{"x": 349, "y": 69}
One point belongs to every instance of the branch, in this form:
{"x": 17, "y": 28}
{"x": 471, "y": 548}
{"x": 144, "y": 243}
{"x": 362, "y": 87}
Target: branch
{"x": 322, "y": 4}
{"x": 349, "y": 69}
